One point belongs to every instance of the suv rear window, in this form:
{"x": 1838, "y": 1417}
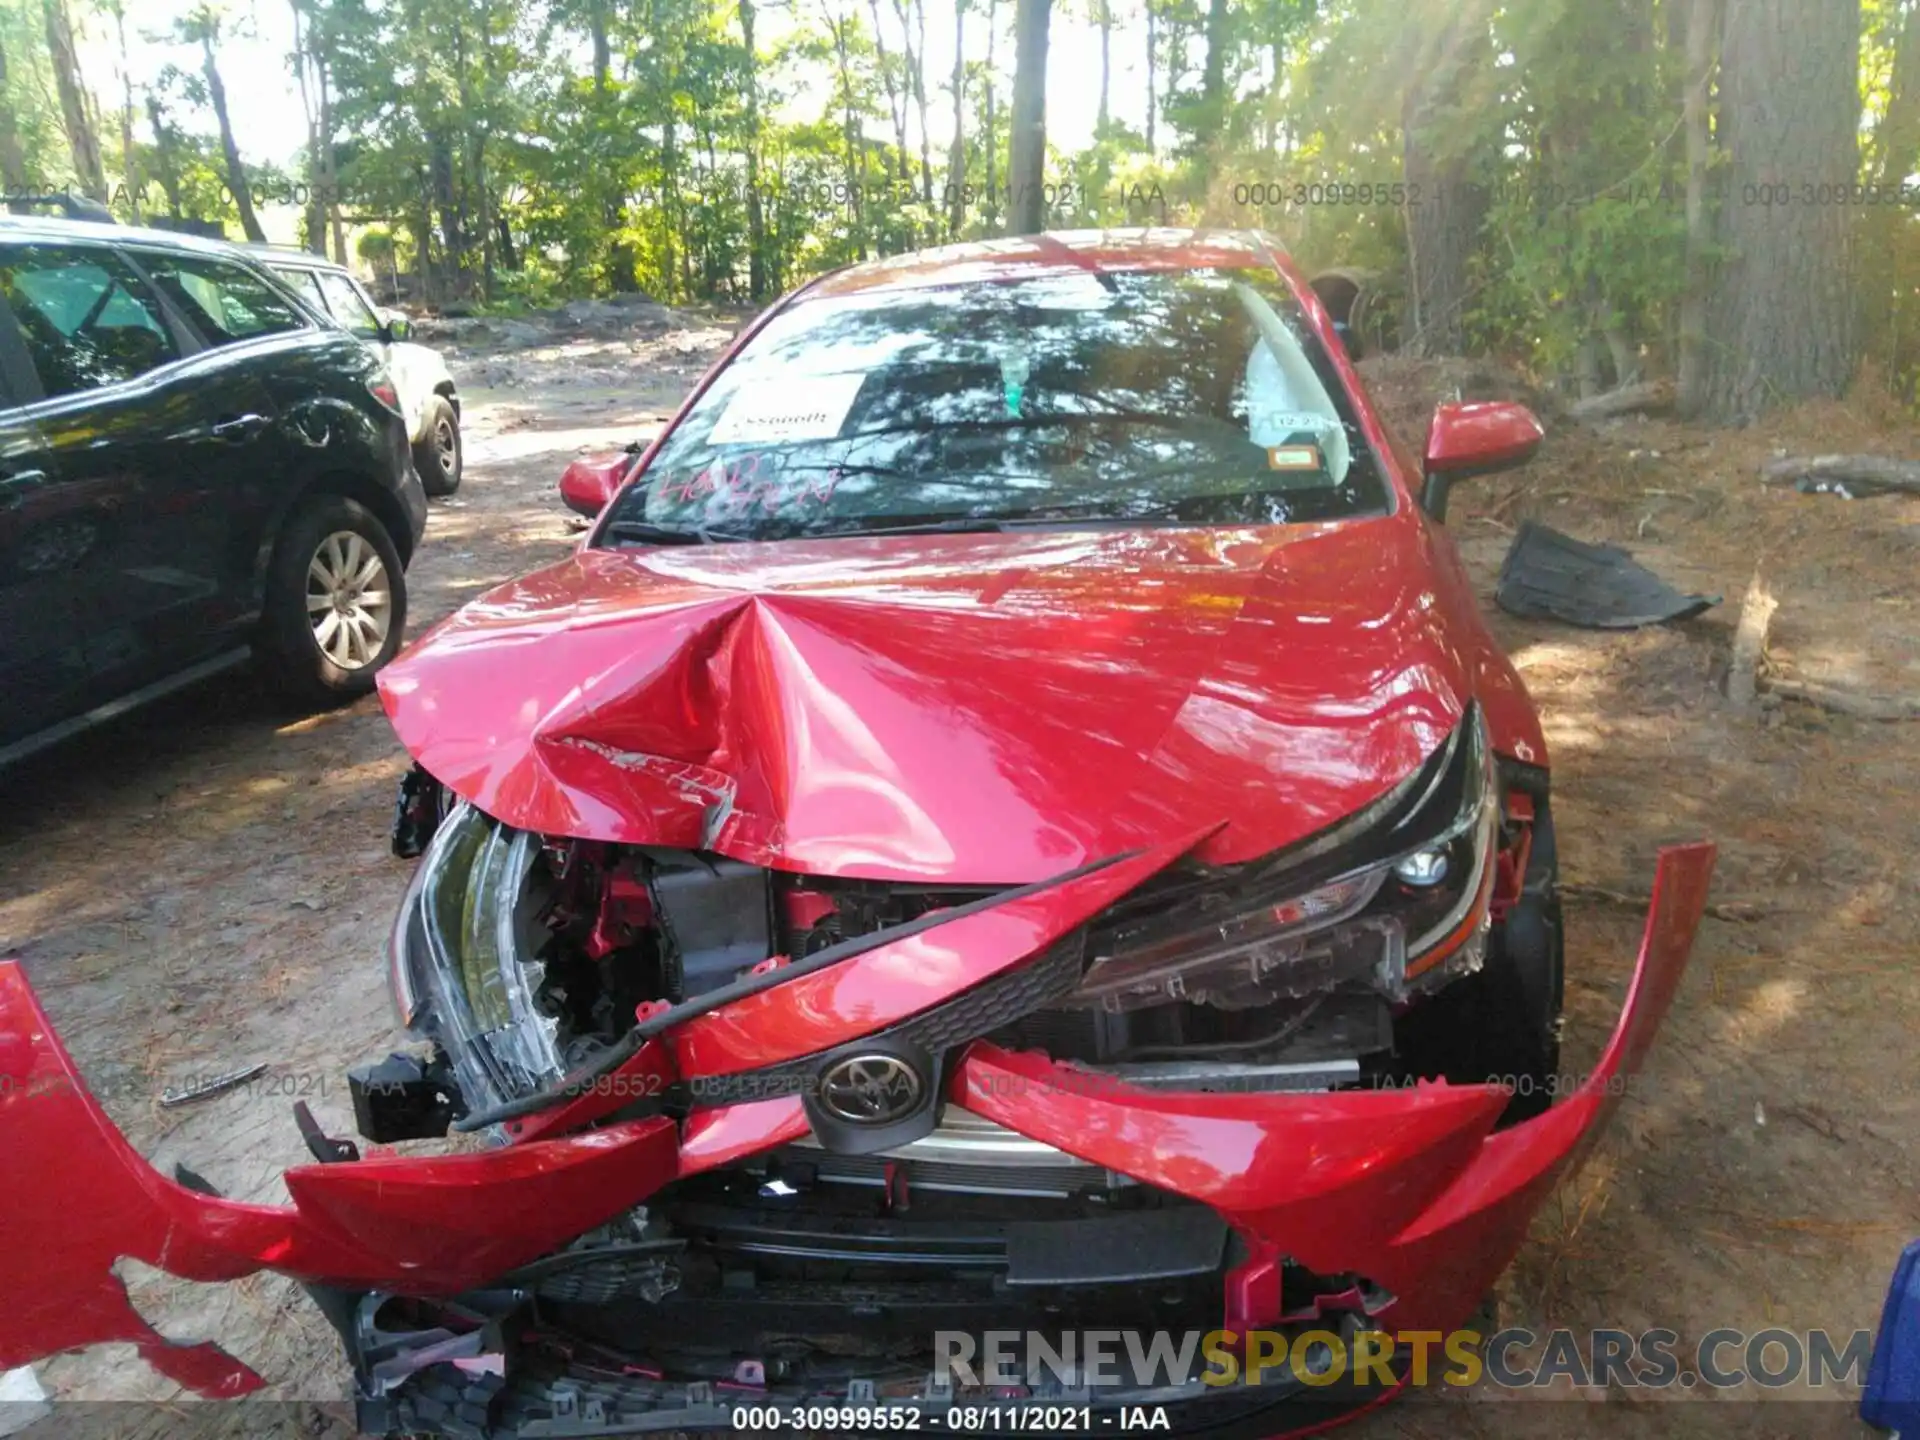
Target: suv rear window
{"x": 226, "y": 302}
{"x": 344, "y": 300}
{"x": 87, "y": 319}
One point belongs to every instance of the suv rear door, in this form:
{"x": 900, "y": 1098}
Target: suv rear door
{"x": 44, "y": 547}
{"x": 96, "y": 347}
{"x": 203, "y": 436}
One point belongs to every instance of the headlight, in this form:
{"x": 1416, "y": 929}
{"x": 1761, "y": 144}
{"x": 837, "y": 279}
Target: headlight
{"x": 462, "y": 958}
{"x": 1392, "y": 899}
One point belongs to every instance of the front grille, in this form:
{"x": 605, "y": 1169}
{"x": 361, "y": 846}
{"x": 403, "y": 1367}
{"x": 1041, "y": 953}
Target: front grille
{"x": 988, "y": 1006}
{"x": 965, "y": 1153}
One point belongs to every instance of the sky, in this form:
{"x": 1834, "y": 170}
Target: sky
{"x": 265, "y": 103}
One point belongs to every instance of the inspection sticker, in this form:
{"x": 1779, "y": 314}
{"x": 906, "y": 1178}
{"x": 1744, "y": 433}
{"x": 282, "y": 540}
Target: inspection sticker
{"x": 810, "y": 409}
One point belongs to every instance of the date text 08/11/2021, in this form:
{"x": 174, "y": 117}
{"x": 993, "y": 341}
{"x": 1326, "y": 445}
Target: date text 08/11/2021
{"x": 971, "y": 1419}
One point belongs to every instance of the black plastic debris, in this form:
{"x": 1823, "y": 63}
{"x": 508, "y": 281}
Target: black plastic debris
{"x": 1550, "y": 576}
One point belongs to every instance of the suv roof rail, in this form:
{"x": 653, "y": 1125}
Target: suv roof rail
{"x": 74, "y": 207}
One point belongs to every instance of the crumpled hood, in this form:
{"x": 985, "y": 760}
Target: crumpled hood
{"x": 981, "y": 708}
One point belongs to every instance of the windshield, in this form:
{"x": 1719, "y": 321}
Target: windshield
{"x": 1152, "y": 397}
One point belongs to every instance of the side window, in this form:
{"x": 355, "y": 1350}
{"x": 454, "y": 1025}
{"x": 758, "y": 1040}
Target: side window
{"x": 306, "y": 286}
{"x": 87, "y": 319}
{"x": 226, "y": 302}
{"x": 349, "y": 308}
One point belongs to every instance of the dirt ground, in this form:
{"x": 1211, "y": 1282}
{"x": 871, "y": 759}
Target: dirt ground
{"x": 207, "y": 885}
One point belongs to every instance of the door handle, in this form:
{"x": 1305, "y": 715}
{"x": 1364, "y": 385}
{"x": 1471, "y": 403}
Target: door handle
{"x": 17, "y": 485}
{"x": 238, "y": 427}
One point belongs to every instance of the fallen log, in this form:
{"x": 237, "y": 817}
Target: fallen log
{"x": 1750, "y": 643}
{"x": 1856, "y": 703}
{"x": 1737, "y": 910}
{"x": 1860, "y": 474}
{"x": 1646, "y": 395}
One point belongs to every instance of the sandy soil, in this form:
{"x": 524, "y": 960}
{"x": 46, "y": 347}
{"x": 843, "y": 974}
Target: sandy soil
{"x": 206, "y": 886}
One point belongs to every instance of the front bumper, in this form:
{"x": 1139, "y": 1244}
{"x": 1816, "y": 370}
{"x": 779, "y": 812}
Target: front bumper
{"x": 1412, "y": 1189}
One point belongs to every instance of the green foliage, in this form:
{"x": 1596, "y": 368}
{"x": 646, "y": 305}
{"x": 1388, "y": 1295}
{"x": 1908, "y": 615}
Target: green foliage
{"x": 513, "y": 152}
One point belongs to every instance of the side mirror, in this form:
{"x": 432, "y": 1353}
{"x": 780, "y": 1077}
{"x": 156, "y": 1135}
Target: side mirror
{"x": 396, "y": 325}
{"x": 1475, "y": 439}
{"x": 590, "y": 482}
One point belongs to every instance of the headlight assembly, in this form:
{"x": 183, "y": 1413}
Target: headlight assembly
{"x": 1393, "y": 899}
{"x": 463, "y": 958}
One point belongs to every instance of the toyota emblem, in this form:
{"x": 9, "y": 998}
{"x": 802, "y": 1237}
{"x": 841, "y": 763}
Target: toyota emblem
{"x": 872, "y": 1089}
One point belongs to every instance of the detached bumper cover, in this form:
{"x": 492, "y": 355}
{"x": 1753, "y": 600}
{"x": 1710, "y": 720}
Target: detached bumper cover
{"x": 1411, "y": 1189}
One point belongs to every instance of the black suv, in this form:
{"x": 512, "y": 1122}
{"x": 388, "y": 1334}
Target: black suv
{"x": 192, "y": 470}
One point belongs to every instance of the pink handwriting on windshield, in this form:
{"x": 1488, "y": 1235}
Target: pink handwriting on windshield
{"x": 737, "y": 487}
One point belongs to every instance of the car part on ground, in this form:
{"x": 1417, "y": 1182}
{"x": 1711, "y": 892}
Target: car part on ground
{"x": 1551, "y": 576}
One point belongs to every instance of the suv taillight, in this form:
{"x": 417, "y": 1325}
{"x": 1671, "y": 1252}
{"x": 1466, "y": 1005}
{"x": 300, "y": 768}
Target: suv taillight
{"x": 382, "y": 389}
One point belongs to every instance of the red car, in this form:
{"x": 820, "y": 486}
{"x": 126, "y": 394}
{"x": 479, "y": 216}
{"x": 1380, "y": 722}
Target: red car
{"x": 1011, "y": 821}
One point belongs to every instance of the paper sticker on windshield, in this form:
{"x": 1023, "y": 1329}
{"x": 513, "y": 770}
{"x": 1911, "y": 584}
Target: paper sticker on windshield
{"x": 796, "y": 409}
{"x": 1293, "y": 457}
{"x": 1288, "y": 422}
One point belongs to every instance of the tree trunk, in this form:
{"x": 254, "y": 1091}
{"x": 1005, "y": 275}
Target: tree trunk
{"x": 421, "y": 222}
{"x": 1153, "y": 90}
{"x": 453, "y": 243}
{"x": 129, "y": 162}
{"x": 13, "y": 160}
{"x": 957, "y": 148}
{"x": 1027, "y": 154}
{"x": 1104, "y": 116}
{"x": 331, "y": 173}
{"x": 1690, "y": 389}
{"x": 896, "y": 102}
{"x": 849, "y": 126}
{"x": 1447, "y": 203}
{"x": 1276, "y": 56}
{"x": 309, "y": 105}
{"x": 993, "y": 130}
{"x": 236, "y": 172}
{"x": 1780, "y": 323}
{"x": 602, "y": 50}
{"x": 1897, "y": 141}
{"x": 917, "y": 60}
{"x": 756, "y": 217}
{"x": 81, "y": 139}
{"x": 163, "y": 155}
{"x": 1211, "y": 131}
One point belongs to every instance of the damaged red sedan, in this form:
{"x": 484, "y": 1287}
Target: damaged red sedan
{"x": 1010, "y": 821}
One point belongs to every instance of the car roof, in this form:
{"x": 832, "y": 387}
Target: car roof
{"x": 1057, "y": 251}
{"x": 291, "y": 257}
{"x": 95, "y": 232}
{"x": 42, "y": 227}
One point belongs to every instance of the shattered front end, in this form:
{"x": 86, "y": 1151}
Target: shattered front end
{"x": 760, "y": 1138}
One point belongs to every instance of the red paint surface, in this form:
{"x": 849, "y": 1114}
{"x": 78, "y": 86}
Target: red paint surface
{"x": 986, "y": 708}
{"x": 1481, "y": 435}
{"x": 817, "y": 1011}
{"x": 587, "y": 484}
{"x": 1407, "y": 1188}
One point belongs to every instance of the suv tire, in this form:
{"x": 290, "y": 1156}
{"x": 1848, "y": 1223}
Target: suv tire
{"x": 335, "y": 607}
{"x": 438, "y": 455}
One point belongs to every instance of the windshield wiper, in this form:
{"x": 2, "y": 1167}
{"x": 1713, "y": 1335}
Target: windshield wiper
{"x": 1000, "y": 525}
{"x": 645, "y": 532}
